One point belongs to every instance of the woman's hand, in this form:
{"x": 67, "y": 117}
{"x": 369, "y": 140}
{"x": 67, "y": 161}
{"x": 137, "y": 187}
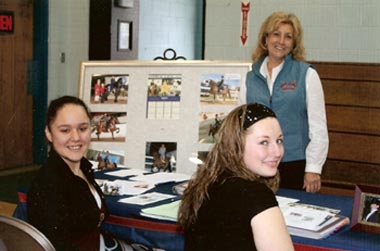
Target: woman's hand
{"x": 312, "y": 182}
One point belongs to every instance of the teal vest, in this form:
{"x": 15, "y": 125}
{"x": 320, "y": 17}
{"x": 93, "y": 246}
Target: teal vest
{"x": 288, "y": 101}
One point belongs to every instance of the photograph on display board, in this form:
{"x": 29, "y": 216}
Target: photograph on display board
{"x": 109, "y": 89}
{"x": 109, "y": 126}
{"x": 220, "y": 89}
{"x": 106, "y": 158}
{"x": 164, "y": 95}
{"x": 209, "y": 124}
{"x": 161, "y": 156}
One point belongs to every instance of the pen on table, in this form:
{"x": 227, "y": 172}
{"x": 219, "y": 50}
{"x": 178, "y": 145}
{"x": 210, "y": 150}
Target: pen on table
{"x": 325, "y": 220}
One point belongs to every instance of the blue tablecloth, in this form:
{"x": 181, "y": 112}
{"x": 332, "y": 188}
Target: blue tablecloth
{"x": 127, "y": 223}
{"x": 165, "y": 234}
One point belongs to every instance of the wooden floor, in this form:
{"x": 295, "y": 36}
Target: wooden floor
{"x": 7, "y": 208}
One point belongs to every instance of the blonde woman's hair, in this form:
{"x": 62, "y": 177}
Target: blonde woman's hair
{"x": 270, "y": 25}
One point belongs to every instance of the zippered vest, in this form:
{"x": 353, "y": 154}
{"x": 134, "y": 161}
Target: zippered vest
{"x": 288, "y": 101}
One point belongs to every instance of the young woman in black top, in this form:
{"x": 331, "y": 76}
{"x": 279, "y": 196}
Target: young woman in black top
{"x": 230, "y": 202}
{"x": 64, "y": 202}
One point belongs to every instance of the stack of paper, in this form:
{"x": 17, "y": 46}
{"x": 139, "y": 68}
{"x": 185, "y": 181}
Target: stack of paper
{"x": 311, "y": 221}
{"x": 146, "y": 198}
{"x": 167, "y": 211}
{"x": 125, "y": 187}
{"x": 334, "y": 224}
{"x": 160, "y": 178}
{"x": 126, "y": 172}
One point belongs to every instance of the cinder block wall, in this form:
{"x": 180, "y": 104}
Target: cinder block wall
{"x": 334, "y": 30}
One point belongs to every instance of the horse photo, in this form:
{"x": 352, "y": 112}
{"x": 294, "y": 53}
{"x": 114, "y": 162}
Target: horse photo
{"x": 109, "y": 88}
{"x": 209, "y": 125}
{"x": 109, "y": 126}
{"x": 219, "y": 89}
{"x": 159, "y": 160}
{"x": 160, "y": 164}
{"x": 104, "y": 161}
{"x": 115, "y": 87}
{"x": 214, "y": 128}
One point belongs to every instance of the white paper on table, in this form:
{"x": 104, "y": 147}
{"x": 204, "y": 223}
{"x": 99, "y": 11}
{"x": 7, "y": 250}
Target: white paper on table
{"x": 126, "y": 172}
{"x": 282, "y": 201}
{"x": 94, "y": 164}
{"x": 126, "y": 187}
{"x": 100, "y": 182}
{"x": 147, "y": 198}
{"x": 306, "y": 216}
{"x": 159, "y": 178}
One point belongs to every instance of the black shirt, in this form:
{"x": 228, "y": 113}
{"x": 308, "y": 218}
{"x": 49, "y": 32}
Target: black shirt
{"x": 224, "y": 220}
{"x": 62, "y": 206}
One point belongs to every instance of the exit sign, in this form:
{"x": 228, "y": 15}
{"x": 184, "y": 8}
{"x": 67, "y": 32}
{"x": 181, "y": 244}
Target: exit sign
{"x": 6, "y": 22}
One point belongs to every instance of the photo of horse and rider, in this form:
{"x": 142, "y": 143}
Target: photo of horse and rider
{"x": 209, "y": 124}
{"x": 109, "y": 89}
{"x": 109, "y": 126}
{"x": 161, "y": 156}
{"x": 220, "y": 89}
{"x": 106, "y": 158}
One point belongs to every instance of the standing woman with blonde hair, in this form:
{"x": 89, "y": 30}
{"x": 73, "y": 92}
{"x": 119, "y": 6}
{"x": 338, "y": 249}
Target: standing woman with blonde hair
{"x": 281, "y": 80}
{"x": 230, "y": 203}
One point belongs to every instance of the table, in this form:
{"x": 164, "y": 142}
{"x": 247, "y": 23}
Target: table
{"x": 345, "y": 239}
{"x": 126, "y": 222}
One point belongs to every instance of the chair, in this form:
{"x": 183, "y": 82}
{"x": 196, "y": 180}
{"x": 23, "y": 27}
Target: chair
{"x": 18, "y": 235}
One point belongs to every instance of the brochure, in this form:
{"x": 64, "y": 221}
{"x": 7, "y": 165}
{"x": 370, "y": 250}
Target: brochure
{"x": 146, "y": 198}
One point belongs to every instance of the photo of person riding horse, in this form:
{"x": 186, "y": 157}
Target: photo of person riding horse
{"x": 108, "y": 89}
{"x": 161, "y": 156}
{"x": 106, "y": 158}
{"x": 220, "y": 89}
{"x": 108, "y": 126}
{"x": 209, "y": 124}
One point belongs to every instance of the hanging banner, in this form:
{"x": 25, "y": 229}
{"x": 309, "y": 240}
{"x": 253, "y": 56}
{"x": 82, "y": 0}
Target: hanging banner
{"x": 6, "y": 22}
{"x": 244, "y": 22}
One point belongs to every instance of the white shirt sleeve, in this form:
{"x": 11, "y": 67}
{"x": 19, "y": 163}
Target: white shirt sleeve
{"x": 317, "y": 149}
{"x": 242, "y": 94}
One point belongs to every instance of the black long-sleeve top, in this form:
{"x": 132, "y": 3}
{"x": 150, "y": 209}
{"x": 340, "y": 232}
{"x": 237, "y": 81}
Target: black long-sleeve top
{"x": 61, "y": 205}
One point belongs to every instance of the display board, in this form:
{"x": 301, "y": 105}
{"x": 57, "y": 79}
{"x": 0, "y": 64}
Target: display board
{"x": 160, "y": 114}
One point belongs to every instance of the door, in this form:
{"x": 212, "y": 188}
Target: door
{"x": 16, "y": 104}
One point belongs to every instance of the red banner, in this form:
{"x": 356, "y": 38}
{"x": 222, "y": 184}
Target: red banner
{"x": 244, "y": 23}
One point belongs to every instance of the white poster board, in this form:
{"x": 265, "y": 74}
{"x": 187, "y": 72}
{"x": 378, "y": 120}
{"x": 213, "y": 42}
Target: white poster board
{"x": 159, "y": 102}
